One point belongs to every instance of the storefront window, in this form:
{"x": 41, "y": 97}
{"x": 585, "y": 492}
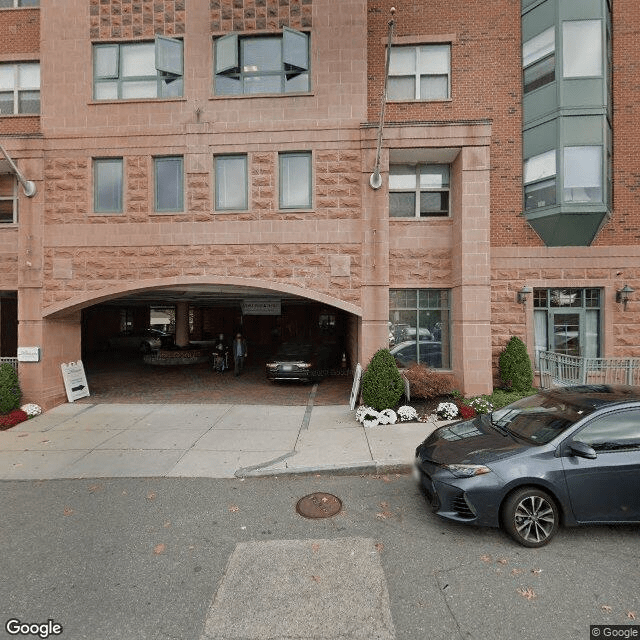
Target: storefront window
{"x": 419, "y": 327}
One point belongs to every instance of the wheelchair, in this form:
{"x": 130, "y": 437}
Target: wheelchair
{"x": 220, "y": 361}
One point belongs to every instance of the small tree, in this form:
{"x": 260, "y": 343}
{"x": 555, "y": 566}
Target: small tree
{"x": 515, "y": 366}
{"x": 9, "y": 388}
{"x": 382, "y": 384}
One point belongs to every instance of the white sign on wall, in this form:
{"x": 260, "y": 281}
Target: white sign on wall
{"x": 28, "y": 354}
{"x": 75, "y": 380}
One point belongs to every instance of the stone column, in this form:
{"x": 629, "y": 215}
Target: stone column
{"x": 375, "y": 263}
{"x": 182, "y": 324}
{"x": 471, "y": 304}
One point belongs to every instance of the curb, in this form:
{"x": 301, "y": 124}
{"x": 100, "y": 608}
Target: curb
{"x": 373, "y": 468}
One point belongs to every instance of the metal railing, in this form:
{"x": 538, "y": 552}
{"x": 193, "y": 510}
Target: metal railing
{"x": 559, "y": 370}
{"x": 12, "y": 361}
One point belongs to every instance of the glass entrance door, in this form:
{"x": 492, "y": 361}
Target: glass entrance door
{"x": 566, "y": 333}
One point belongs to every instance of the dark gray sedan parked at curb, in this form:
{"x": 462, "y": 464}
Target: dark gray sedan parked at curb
{"x": 569, "y": 455}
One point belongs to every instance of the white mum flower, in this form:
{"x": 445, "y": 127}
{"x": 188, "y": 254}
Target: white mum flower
{"x": 31, "y": 409}
{"x": 447, "y": 410}
{"x": 388, "y": 416}
{"x": 407, "y": 413}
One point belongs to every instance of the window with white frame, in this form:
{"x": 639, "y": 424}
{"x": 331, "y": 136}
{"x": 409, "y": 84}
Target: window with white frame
{"x": 418, "y": 190}
{"x": 231, "y": 191}
{"x": 420, "y": 72}
{"x": 19, "y": 88}
{"x": 8, "y": 198}
{"x": 247, "y": 65}
{"x": 539, "y": 60}
{"x": 107, "y": 185}
{"x": 10, "y": 4}
{"x": 420, "y": 327}
{"x": 540, "y": 180}
{"x": 295, "y": 180}
{"x": 138, "y": 70}
{"x": 169, "y": 183}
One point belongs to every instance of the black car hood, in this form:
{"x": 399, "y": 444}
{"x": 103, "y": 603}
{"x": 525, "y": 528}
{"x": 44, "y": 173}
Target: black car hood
{"x": 472, "y": 441}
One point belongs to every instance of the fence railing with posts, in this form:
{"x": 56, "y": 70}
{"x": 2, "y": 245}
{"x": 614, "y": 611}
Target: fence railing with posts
{"x": 559, "y": 370}
{"x": 12, "y": 361}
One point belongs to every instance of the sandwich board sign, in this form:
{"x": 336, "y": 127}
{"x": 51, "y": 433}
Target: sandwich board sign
{"x": 75, "y": 380}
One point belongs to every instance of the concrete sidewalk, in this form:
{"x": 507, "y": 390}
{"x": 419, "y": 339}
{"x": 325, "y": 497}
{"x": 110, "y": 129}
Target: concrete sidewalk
{"x": 202, "y": 440}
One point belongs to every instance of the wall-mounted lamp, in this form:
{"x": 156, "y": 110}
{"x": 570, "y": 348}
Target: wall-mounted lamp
{"x": 623, "y": 295}
{"x": 523, "y": 293}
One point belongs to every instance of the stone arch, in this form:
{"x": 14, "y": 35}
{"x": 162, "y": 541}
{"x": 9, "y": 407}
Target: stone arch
{"x": 89, "y": 298}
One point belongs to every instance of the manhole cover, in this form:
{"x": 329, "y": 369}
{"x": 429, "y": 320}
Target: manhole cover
{"x": 319, "y": 505}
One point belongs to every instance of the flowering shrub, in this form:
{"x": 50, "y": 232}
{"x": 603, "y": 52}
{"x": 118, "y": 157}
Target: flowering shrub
{"x": 367, "y": 415}
{"x": 467, "y": 412}
{"x": 481, "y": 405}
{"x": 31, "y": 409}
{"x": 387, "y": 416}
{"x": 407, "y": 414}
{"x": 447, "y": 410}
{"x": 370, "y": 417}
{"x": 12, "y": 418}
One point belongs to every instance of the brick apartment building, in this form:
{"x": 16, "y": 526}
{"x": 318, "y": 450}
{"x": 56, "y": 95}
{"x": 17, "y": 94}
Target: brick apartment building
{"x": 214, "y": 157}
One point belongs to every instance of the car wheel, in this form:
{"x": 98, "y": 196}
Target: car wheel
{"x": 530, "y": 516}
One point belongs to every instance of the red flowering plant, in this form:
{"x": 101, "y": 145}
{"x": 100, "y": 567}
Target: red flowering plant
{"x": 466, "y": 411}
{"x": 12, "y": 418}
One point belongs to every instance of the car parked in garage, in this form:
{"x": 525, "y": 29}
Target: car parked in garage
{"x": 144, "y": 340}
{"x": 301, "y": 361}
{"x": 569, "y": 455}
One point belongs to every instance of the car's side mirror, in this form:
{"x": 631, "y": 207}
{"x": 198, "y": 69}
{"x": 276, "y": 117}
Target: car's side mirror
{"x": 582, "y": 450}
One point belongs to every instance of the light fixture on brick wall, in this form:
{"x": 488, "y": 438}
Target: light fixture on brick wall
{"x": 523, "y": 294}
{"x": 28, "y": 186}
{"x": 623, "y": 295}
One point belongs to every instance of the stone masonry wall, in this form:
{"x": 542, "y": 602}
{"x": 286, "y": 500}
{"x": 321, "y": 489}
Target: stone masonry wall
{"x": 69, "y": 197}
{"x": 282, "y": 258}
{"x": 71, "y": 270}
{"x": 114, "y": 19}
{"x": 252, "y": 15}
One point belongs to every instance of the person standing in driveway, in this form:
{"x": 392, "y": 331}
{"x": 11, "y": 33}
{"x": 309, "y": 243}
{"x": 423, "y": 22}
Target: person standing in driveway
{"x": 239, "y": 353}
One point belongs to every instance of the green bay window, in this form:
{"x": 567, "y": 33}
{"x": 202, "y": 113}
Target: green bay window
{"x": 567, "y": 119}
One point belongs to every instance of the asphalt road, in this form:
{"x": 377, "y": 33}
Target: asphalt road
{"x": 196, "y": 559}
